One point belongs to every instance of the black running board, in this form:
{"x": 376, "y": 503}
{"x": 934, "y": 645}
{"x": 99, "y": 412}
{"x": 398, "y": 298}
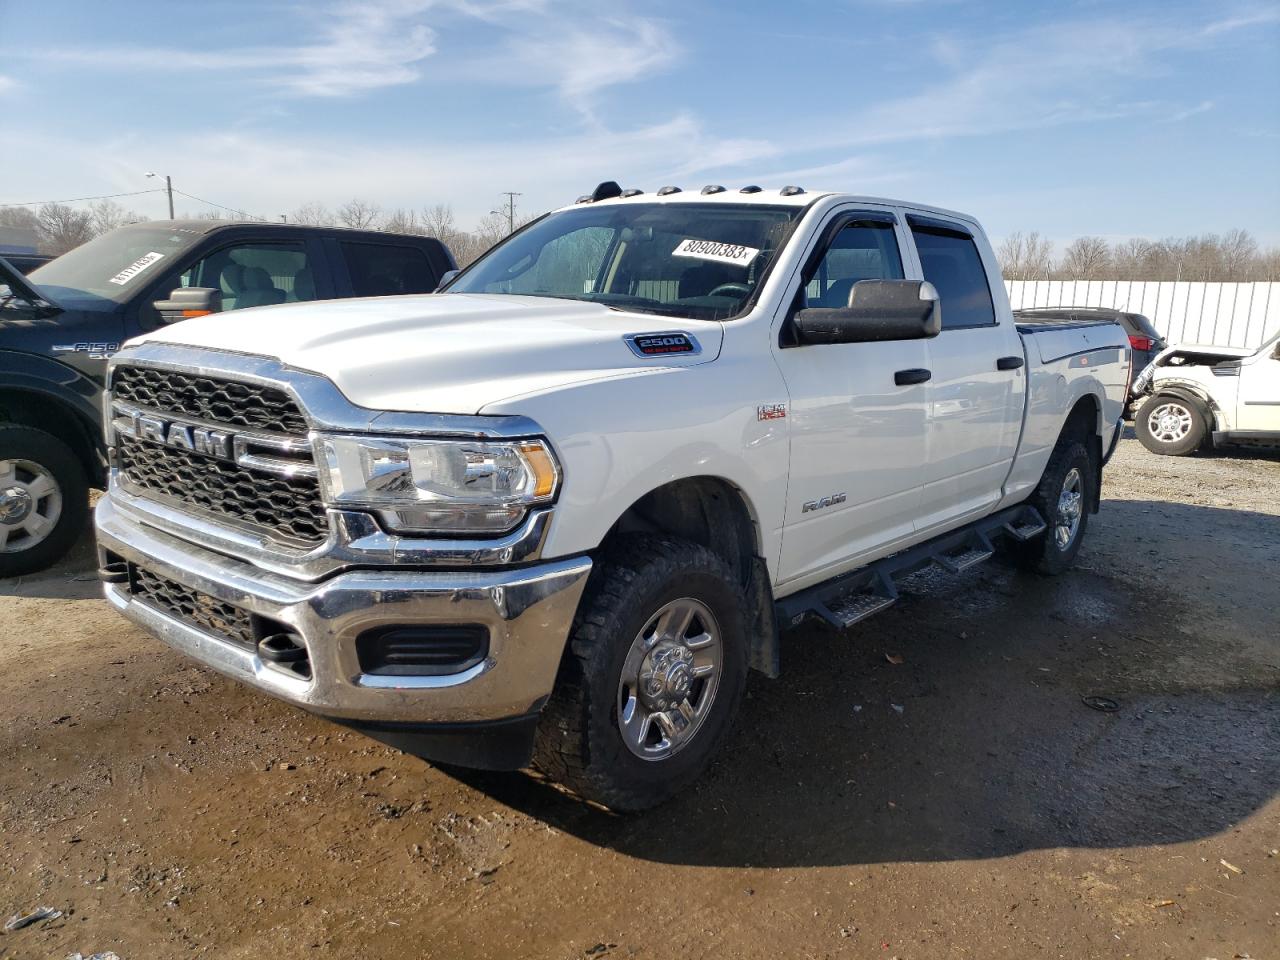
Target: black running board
{"x": 851, "y": 597}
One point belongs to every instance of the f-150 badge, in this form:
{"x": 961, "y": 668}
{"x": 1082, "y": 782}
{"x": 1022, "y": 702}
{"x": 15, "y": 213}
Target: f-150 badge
{"x": 96, "y": 351}
{"x": 771, "y": 411}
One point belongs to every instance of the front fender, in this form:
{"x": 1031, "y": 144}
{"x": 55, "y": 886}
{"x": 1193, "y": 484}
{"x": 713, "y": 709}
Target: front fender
{"x": 53, "y": 380}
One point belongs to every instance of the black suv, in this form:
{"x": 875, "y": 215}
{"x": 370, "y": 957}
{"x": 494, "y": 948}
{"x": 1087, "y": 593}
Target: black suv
{"x": 60, "y": 325}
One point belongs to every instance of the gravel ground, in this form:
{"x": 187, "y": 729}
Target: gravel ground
{"x": 963, "y": 803}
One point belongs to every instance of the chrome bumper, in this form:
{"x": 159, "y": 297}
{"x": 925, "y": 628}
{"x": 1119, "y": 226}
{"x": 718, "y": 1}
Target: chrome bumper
{"x": 528, "y": 612}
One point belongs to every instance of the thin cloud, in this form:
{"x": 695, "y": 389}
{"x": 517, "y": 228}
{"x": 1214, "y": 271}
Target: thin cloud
{"x": 359, "y": 47}
{"x": 7, "y": 84}
{"x": 1202, "y": 107}
{"x": 1043, "y": 76}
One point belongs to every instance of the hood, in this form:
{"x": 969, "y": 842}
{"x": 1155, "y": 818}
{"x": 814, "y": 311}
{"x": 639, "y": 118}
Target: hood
{"x": 444, "y": 353}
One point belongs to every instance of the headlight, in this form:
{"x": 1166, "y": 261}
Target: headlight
{"x": 439, "y": 486}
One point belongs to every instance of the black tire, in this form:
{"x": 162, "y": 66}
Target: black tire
{"x": 1046, "y": 554}
{"x": 1183, "y": 446}
{"x": 579, "y": 741}
{"x": 23, "y": 552}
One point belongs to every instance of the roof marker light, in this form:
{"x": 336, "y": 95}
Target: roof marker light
{"x": 667, "y": 191}
{"x": 791, "y": 191}
{"x": 606, "y": 190}
{"x": 711, "y": 188}
{"x": 751, "y": 189}
{"x": 632, "y": 193}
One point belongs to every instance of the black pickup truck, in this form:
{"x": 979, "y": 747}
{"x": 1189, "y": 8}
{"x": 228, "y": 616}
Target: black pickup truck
{"x": 59, "y": 326}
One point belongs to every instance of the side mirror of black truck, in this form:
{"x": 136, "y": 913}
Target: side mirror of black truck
{"x": 877, "y": 310}
{"x": 187, "y": 302}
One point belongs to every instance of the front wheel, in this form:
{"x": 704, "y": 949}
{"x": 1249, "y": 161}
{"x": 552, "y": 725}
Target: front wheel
{"x": 44, "y": 500}
{"x": 1170, "y": 426}
{"x": 652, "y": 677}
{"x": 1063, "y": 499}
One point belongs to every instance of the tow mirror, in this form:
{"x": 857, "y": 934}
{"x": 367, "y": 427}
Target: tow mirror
{"x": 445, "y": 278}
{"x": 877, "y": 310}
{"x": 187, "y": 302}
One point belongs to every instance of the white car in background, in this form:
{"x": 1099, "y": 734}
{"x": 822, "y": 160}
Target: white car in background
{"x": 1198, "y": 396}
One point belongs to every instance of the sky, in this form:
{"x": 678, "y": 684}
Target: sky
{"x": 1114, "y": 119}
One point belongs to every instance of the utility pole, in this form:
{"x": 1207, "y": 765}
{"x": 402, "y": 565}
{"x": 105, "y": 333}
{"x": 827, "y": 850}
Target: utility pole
{"x": 168, "y": 186}
{"x": 511, "y": 209}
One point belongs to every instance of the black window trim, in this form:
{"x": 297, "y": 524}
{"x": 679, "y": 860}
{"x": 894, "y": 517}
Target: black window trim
{"x": 950, "y": 228}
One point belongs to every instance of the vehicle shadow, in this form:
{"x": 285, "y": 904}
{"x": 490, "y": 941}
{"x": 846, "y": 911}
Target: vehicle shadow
{"x": 979, "y": 743}
{"x": 74, "y": 577}
{"x": 1226, "y": 452}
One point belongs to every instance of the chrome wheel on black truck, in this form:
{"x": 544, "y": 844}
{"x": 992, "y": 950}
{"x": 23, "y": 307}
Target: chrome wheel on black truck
{"x": 652, "y": 676}
{"x": 44, "y": 500}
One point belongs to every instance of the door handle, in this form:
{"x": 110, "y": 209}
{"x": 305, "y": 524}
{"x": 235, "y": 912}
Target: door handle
{"x": 1009, "y": 363}
{"x": 905, "y": 378}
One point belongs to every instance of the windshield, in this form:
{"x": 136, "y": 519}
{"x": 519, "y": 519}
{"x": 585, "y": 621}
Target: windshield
{"x": 108, "y": 270}
{"x": 699, "y": 260}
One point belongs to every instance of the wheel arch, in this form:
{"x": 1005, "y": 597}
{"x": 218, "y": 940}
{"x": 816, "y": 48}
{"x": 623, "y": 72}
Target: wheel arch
{"x": 46, "y": 410}
{"x": 1085, "y": 421}
{"x": 716, "y": 513}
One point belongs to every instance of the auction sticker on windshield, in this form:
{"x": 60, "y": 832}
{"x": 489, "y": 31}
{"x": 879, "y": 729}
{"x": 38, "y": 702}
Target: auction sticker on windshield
{"x": 731, "y": 253}
{"x": 135, "y": 268}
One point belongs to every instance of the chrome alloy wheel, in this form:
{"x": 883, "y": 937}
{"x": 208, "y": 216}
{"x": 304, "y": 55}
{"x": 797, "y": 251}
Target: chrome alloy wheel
{"x": 669, "y": 679}
{"x": 30, "y": 504}
{"x": 1070, "y": 507}
{"x": 1169, "y": 422}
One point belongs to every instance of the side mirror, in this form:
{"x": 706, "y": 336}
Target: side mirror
{"x": 877, "y": 310}
{"x": 187, "y": 302}
{"x": 445, "y": 278}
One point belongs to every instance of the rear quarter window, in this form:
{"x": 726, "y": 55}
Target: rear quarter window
{"x": 387, "y": 270}
{"x": 951, "y": 262}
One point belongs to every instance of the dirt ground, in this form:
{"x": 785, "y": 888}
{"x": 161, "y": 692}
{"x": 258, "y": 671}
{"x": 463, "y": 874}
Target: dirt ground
{"x": 963, "y": 803}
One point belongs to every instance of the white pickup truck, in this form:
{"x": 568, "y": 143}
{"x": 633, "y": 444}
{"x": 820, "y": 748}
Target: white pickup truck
{"x": 558, "y": 510}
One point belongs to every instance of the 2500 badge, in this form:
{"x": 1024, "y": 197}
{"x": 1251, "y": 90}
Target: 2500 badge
{"x": 660, "y": 344}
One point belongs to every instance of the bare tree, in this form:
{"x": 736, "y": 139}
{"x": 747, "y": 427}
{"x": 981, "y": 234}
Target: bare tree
{"x": 1086, "y": 258}
{"x": 62, "y": 228}
{"x": 23, "y": 218}
{"x": 106, "y": 215}
{"x": 1025, "y": 256}
{"x": 360, "y": 214}
{"x": 438, "y": 221}
{"x": 313, "y": 214}
{"x": 402, "y": 221}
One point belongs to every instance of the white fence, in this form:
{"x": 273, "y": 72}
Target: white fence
{"x": 1223, "y": 314}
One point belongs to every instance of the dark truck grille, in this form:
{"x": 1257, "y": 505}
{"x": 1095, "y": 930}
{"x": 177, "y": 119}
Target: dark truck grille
{"x": 288, "y": 508}
{"x": 192, "y": 607}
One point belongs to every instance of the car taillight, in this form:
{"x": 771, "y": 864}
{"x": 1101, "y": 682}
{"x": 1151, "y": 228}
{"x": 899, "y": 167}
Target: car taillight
{"x": 1140, "y": 343}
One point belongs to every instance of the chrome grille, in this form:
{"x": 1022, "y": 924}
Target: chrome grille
{"x": 229, "y": 402}
{"x": 285, "y": 504}
{"x": 192, "y": 607}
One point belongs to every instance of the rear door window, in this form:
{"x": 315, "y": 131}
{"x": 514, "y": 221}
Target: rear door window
{"x": 951, "y": 262}
{"x": 386, "y": 270}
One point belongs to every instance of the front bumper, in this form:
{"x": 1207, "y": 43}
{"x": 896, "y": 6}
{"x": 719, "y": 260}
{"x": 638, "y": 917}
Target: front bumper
{"x": 527, "y": 610}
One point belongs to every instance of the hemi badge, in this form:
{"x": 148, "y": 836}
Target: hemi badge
{"x": 771, "y": 411}
{"x": 660, "y": 344}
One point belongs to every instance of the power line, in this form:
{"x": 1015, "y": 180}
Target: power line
{"x": 191, "y": 196}
{"x": 105, "y": 196}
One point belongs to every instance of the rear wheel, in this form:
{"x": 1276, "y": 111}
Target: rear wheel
{"x": 44, "y": 500}
{"x": 651, "y": 681}
{"x": 1170, "y": 425}
{"x": 1063, "y": 499}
